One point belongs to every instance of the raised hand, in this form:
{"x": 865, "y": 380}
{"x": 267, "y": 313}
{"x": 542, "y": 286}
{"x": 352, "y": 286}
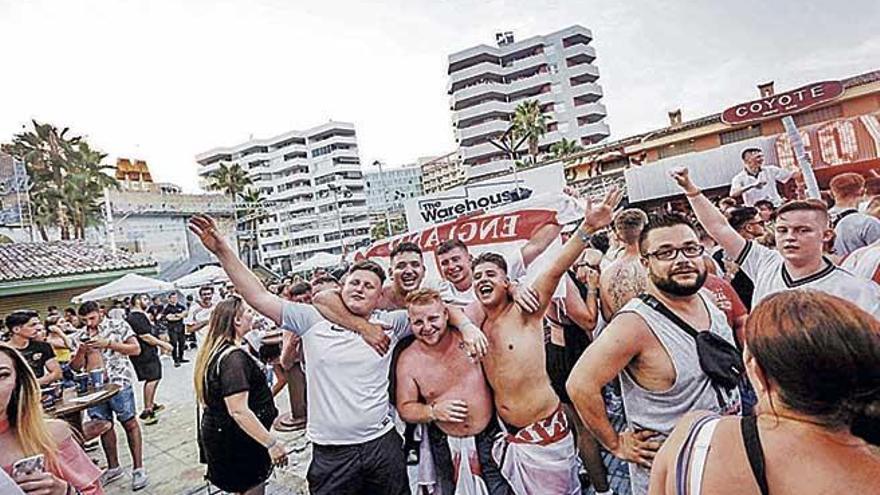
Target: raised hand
{"x": 206, "y": 229}
{"x": 682, "y": 177}
{"x": 600, "y": 215}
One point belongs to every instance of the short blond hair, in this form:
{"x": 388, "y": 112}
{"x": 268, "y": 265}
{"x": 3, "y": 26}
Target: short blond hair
{"x": 420, "y": 297}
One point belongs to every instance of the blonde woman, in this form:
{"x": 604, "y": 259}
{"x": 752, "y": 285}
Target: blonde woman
{"x": 25, "y": 433}
{"x": 239, "y": 409}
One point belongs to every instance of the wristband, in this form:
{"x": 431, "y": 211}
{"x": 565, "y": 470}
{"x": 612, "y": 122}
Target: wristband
{"x": 273, "y": 443}
{"x": 431, "y": 416}
{"x": 584, "y": 236}
{"x": 694, "y": 194}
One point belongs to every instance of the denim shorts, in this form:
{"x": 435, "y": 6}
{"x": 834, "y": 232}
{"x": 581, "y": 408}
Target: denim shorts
{"x": 122, "y": 404}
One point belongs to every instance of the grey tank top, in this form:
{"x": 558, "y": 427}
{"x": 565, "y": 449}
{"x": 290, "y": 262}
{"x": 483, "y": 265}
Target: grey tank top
{"x": 691, "y": 391}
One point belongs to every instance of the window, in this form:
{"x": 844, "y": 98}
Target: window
{"x": 819, "y": 115}
{"x": 676, "y": 149}
{"x": 740, "y": 134}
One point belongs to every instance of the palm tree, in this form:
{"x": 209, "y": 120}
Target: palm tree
{"x": 252, "y": 212}
{"x": 530, "y": 122}
{"x": 67, "y": 178}
{"x": 233, "y": 181}
{"x": 563, "y": 150}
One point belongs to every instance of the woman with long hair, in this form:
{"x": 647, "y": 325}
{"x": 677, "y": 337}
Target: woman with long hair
{"x": 239, "y": 409}
{"x": 814, "y": 361}
{"x": 24, "y": 432}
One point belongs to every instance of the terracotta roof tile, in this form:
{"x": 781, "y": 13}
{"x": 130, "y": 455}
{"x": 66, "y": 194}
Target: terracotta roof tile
{"x": 31, "y": 260}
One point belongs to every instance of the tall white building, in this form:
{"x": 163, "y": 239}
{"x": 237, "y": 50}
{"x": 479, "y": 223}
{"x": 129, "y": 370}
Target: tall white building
{"x": 312, "y": 183}
{"x": 486, "y": 83}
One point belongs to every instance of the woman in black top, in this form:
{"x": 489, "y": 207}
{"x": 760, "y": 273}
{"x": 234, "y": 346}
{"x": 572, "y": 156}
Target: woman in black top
{"x": 239, "y": 409}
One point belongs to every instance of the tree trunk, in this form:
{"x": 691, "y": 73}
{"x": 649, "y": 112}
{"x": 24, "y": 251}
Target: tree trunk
{"x": 42, "y": 229}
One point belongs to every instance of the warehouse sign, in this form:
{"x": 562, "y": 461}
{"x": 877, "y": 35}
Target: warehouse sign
{"x": 781, "y": 104}
{"x": 484, "y": 196}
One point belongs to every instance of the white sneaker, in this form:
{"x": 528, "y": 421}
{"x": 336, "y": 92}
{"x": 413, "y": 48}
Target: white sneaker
{"x": 139, "y": 479}
{"x": 110, "y": 475}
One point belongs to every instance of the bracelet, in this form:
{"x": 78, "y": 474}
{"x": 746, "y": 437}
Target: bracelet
{"x": 273, "y": 443}
{"x": 431, "y": 413}
{"x": 694, "y": 195}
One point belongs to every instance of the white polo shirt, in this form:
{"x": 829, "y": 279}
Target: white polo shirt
{"x": 770, "y": 175}
{"x": 864, "y": 262}
{"x": 346, "y": 380}
{"x": 766, "y": 268}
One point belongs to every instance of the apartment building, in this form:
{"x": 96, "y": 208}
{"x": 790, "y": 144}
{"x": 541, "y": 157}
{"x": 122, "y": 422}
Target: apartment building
{"x": 443, "y": 172}
{"x": 486, "y": 83}
{"x": 311, "y": 183}
{"x": 386, "y": 190}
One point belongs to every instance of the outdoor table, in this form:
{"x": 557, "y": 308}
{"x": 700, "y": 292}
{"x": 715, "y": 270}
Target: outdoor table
{"x": 71, "y": 410}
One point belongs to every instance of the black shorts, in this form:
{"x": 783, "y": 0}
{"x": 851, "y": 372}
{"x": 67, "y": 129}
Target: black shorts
{"x": 236, "y": 462}
{"x": 558, "y": 370}
{"x": 377, "y": 466}
{"x": 148, "y": 370}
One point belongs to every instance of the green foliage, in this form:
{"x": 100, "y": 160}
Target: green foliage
{"x": 67, "y": 178}
{"x": 530, "y": 123}
{"x": 231, "y": 180}
{"x": 564, "y": 149}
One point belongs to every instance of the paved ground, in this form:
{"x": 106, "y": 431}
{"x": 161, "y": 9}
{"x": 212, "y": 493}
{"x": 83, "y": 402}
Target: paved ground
{"x": 171, "y": 452}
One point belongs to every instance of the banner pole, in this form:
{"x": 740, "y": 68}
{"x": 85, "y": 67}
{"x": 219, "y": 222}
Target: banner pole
{"x": 803, "y": 158}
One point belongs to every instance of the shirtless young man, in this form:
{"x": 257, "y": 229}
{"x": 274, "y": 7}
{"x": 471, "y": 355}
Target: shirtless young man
{"x": 407, "y": 270}
{"x": 439, "y": 385}
{"x": 539, "y": 454}
{"x": 625, "y": 277}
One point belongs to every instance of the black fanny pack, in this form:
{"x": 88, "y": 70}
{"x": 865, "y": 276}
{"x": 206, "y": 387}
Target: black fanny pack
{"x": 720, "y": 360}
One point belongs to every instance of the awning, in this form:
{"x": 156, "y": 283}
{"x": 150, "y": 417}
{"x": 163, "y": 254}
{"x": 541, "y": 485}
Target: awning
{"x": 207, "y": 275}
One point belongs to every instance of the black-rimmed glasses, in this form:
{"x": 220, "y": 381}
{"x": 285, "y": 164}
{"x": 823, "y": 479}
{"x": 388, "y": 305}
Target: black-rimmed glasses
{"x": 669, "y": 254}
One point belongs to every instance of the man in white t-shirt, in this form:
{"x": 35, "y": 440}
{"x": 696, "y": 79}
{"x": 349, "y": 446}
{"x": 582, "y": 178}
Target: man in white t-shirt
{"x": 802, "y": 229}
{"x": 356, "y": 449}
{"x": 199, "y": 314}
{"x": 757, "y": 181}
{"x": 864, "y": 262}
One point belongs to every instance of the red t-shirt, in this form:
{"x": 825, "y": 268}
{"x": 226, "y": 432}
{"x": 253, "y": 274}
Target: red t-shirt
{"x": 726, "y": 298}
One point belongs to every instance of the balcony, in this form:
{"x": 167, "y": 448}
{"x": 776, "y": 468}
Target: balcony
{"x": 476, "y": 70}
{"x": 482, "y": 149}
{"x": 593, "y": 132}
{"x": 579, "y": 49}
{"x": 482, "y": 109}
{"x": 477, "y": 90}
{"x": 291, "y": 193}
{"x": 586, "y": 93}
{"x": 490, "y": 128}
{"x": 590, "y": 113}
{"x": 530, "y": 82}
{"x": 582, "y": 74}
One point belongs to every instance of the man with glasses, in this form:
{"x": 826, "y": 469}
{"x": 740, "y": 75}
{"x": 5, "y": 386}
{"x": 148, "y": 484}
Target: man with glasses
{"x": 200, "y": 313}
{"x": 757, "y": 182}
{"x": 655, "y": 359}
{"x": 802, "y": 229}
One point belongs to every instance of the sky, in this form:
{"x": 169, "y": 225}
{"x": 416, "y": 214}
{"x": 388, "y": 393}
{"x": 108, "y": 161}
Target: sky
{"x": 165, "y": 80}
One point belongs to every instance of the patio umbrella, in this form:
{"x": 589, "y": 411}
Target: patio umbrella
{"x": 206, "y": 275}
{"x": 124, "y": 286}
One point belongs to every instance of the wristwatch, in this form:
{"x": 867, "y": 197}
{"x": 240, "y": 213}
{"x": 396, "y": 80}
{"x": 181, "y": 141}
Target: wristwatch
{"x": 584, "y": 236}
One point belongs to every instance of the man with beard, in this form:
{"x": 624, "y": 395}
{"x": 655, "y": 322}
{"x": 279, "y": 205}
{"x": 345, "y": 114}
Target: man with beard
{"x": 656, "y": 360}
{"x": 537, "y": 454}
{"x": 439, "y": 385}
{"x": 802, "y": 229}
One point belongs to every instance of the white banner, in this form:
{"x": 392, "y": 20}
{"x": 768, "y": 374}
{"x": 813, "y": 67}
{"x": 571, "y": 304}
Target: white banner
{"x": 482, "y": 196}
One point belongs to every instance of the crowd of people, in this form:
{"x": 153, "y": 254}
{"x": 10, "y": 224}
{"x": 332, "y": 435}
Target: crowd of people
{"x": 731, "y": 346}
